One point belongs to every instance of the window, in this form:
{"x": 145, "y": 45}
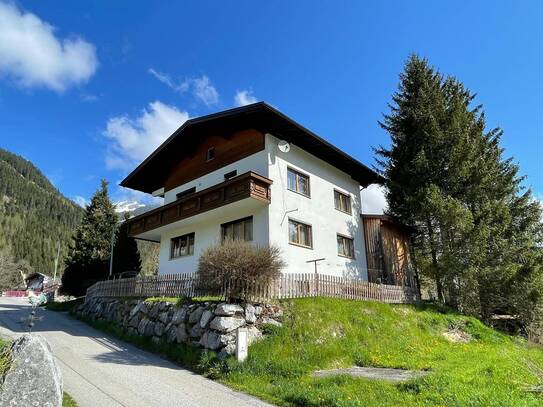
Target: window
{"x": 342, "y": 202}
{"x": 186, "y": 193}
{"x": 300, "y": 234}
{"x": 241, "y": 229}
{"x": 182, "y": 246}
{"x": 345, "y": 246}
{"x": 210, "y": 155}
{"x": 230, "y": 174}
{"x": 298, "y": 182}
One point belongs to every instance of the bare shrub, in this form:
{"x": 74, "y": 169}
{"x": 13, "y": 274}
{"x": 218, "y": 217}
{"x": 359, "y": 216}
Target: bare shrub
{"x": 238, "y": 261}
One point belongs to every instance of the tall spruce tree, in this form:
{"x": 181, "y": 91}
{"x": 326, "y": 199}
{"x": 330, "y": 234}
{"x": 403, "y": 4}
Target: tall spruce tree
{"x": 88, "y": 261}
{"x": 479, "y": 233}
{"x": 126, "y": 256}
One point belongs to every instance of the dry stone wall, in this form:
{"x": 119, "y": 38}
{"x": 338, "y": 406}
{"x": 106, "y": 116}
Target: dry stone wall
{"x": 208, "y": 325}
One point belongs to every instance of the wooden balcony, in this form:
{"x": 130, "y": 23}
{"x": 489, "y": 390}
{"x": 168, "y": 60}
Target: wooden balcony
{"x": 248, "y": 185}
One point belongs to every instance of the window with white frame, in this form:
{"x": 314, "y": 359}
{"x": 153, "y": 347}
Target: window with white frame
{"x": 345, "y": 246}
{"x": 298, "y": 182}
{"x": 182, "y": 246}
{"x": 300, "y": 234}
{"x": 342, "y": 202}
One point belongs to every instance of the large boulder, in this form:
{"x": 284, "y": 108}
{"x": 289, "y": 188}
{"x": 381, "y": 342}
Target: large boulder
{"x": 181, "y": 333}
{"x": 227, "y": 324}
{"x": 227, "y": 310}
{"x": 206, "y": 317}
{"x": 159, "y": 328}
{"x": 180, "y": 315}
{"x": 250, "y": 314}
{"x": 34, "y": 378}
{"x": 142, "y": 326}
{"x": 214, "y": 340}
{"x": 196, "y": 315}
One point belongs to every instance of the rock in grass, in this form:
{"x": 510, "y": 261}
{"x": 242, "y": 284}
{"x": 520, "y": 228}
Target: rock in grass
{"x": 34, "y": 378}
{"x": 271, "y": 321}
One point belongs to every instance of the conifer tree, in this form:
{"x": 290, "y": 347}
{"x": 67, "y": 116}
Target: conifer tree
{"x": 479, "y": 232}
{"x": 88, "y": 261}
{"x": 126, "y": 256}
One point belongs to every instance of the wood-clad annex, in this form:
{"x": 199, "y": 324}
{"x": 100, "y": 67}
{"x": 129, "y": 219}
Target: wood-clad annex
{"x": 387, "y": 250}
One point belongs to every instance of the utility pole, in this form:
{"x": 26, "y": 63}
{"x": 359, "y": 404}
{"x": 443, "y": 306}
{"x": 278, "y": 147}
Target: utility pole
{"x": 111, "y": 251}
{"x": 113, "y": 235}
{"x": 56, "y": 262}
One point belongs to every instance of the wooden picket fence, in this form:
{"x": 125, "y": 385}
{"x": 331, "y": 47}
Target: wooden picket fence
{"x": 296, "y": 285}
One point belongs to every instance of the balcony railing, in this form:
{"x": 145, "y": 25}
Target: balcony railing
{"x": 248, "y": 185}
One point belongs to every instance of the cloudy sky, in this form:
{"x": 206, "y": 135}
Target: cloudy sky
{"x": 88, "y": 90}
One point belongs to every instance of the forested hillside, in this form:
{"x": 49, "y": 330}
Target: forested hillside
{"x": 34, "y": 215}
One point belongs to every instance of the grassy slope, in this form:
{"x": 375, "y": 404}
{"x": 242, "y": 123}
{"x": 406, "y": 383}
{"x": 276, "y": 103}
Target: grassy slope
{"x": 326, "y": 333}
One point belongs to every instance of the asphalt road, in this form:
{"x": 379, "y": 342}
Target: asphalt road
{"x": 101, "y": 371}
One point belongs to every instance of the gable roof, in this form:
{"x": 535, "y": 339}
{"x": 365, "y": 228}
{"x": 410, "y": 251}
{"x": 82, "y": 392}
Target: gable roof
{"x": 152, "y": 172}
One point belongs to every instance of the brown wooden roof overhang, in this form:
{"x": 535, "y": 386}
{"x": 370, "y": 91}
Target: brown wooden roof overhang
{"x": 152, "y": 172}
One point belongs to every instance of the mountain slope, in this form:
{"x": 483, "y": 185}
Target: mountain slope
{"x": 34, "y": 215}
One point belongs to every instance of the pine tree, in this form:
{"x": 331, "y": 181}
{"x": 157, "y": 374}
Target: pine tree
{"x": 479, "y": 233}
{"x": 89, "y": 258}
{"x": 126, "y": 256}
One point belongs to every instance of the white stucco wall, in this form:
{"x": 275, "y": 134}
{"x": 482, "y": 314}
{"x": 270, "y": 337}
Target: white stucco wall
{"x": 270, "y": 222}
{"x": 318, "y": 211}
{"x": 207, "y": 232}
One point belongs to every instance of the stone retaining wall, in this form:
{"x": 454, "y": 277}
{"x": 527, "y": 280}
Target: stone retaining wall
{"x": 207, "y": 325}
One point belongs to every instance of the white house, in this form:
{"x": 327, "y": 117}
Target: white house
{"x": 253, "y": 173}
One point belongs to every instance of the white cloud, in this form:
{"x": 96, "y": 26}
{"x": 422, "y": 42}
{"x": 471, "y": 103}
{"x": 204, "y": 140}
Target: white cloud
{"x": 132, "y": 140}
{"x": 205, "y": 91}
{"x": 32, "y": 56}
{"x": 244, "y": 97}
{"x": 201, "y": 88}
{"x": 81, "y": 201}
{"x": 88, "y": 97}
{"x": 168, "y": 81}
{"x": 373, "y": 200}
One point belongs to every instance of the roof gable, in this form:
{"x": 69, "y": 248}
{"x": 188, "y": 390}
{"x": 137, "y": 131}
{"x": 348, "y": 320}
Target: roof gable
{"x": 151, "y": 174}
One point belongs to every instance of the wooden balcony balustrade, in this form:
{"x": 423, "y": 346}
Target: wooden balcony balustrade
{"x": 248, "y": 185}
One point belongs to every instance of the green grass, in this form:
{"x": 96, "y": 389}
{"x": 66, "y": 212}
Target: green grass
{"x": 182, "y": 354}
{"x": 183, "y": 300}
{"x": 492, "y": 370}
{"x": 63, "y": 306}
{"x": 67, "y": 401}
{"x": 4, "y": 359}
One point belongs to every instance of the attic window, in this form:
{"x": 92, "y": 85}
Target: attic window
{"x": 210, "y": 155}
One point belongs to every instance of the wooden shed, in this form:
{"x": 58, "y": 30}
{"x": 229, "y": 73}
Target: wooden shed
{"x": 388, "y": 250}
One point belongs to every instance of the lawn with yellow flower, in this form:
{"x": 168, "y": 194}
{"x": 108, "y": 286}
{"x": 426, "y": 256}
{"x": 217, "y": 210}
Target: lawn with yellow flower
{"x": 490, "y": 369}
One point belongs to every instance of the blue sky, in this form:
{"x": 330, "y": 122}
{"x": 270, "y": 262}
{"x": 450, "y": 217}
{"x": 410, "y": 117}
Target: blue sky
{"x": 87, "y": 89}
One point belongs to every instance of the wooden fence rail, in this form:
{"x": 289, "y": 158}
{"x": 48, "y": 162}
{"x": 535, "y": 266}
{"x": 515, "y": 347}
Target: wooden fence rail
{"x": 286, "y": 286}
